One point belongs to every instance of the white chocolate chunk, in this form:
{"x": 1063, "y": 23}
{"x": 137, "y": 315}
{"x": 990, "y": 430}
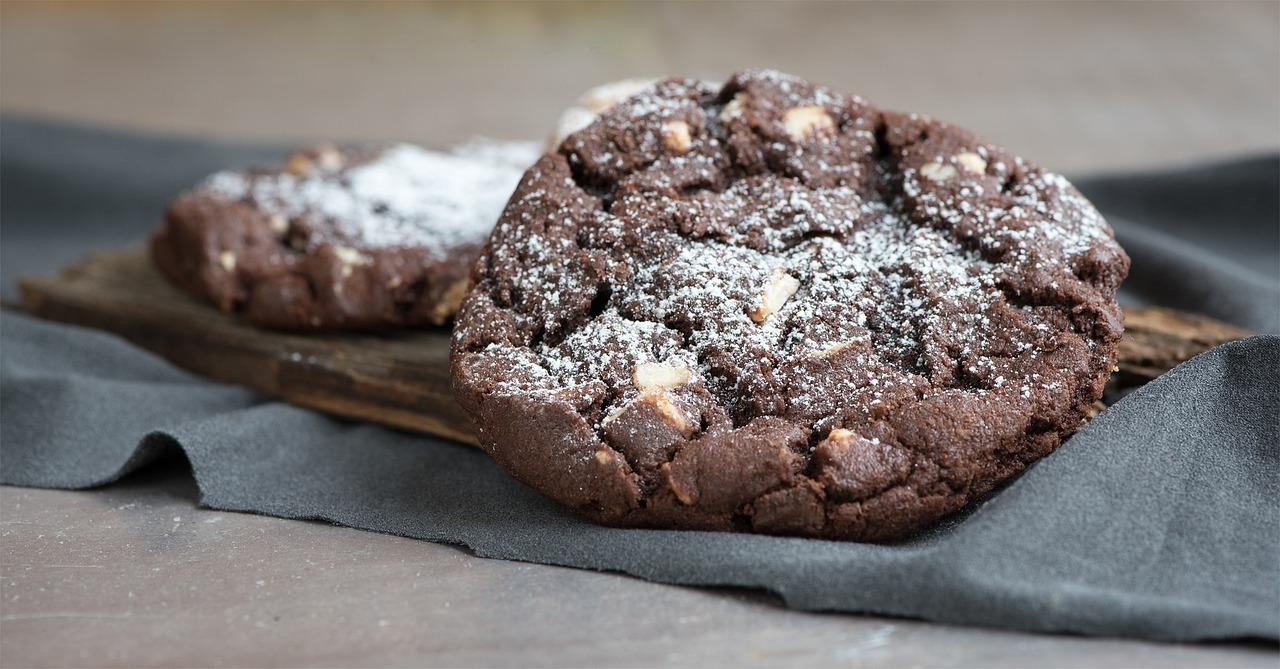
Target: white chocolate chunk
{"x": 840, "y": 434}
{"x": 278, "y": 223}
{"x": 837, "y": 347}
{"x": 804, "y": 122}
{"x": 671, "y": 414}
{"x": 937, "y": 172}
{"x": 733, "y": 109}
{"x": 228, "y": 261}
{"x": 298, "y": 165}
{"x": 780, "y": 287}
{"x": 450, "y": 301}
{"x": 615, "y": 414}
{"x": 675, "y": 134}
{"x": 349, "y": 257}
{"x": 686, "y": 497}
{"x": 329, "y": 158}
{"x": 972, "y": 162}
{"x": 659, "y": 376}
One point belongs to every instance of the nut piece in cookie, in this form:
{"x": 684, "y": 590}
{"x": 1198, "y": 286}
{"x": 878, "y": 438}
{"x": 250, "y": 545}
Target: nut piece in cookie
{"x": 660, "y": 376}
{"x": 733, "y": 108}
{"x": 804, "y": 122}
{"x": 449, "y": 302}
{"x": 972, "y": 162}
{"x": 937, "y": 172}
{"x": 324, "y": 158}
{"x": 675, "y": 134}
{"x": 775, "y": 293}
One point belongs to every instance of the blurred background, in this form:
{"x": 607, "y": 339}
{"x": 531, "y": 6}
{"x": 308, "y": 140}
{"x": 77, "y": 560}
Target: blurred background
{"x": 1075, "y": 86}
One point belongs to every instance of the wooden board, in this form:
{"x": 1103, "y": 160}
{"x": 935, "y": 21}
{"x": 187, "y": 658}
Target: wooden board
{"x": 400, "y": 379}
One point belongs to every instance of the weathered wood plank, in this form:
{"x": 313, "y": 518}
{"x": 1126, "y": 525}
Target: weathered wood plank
{"x": 402, "y": 379}
{"x": 399, "y": 379}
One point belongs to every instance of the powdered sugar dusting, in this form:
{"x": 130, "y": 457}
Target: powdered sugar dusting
{"x": 403, "y": 196}
{"x": 894, "y": 290}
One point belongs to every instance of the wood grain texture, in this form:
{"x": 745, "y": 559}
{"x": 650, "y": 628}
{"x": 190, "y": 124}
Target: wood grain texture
{"x": 402, "y": 379}
{"x": 399, "y": 379}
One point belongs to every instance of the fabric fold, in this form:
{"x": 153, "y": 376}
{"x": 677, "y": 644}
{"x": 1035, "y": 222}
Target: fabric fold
{"x": 1157, "y": 520}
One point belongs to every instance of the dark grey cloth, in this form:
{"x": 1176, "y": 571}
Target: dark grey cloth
{"x": 1205, "y": 239}
{"x": 69, "y": 190}
{"x": 1158, "y": 520}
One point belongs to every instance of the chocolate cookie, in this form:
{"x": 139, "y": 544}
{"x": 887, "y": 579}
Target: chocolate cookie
{"x": 774, "y": 307}
{"x": 341, "y": 239}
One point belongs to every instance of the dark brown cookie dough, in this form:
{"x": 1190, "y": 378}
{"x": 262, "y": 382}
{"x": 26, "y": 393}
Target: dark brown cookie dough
{"x": 773, "y": 307}
{"x": 341, "y": 239}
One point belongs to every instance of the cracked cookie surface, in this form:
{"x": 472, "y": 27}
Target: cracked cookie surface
{"x": 774, "y": 307}
{"x": 341, "y": 239}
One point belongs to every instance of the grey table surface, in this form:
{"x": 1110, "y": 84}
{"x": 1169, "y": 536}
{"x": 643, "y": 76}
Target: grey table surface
{"x": 138, "y": 575}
